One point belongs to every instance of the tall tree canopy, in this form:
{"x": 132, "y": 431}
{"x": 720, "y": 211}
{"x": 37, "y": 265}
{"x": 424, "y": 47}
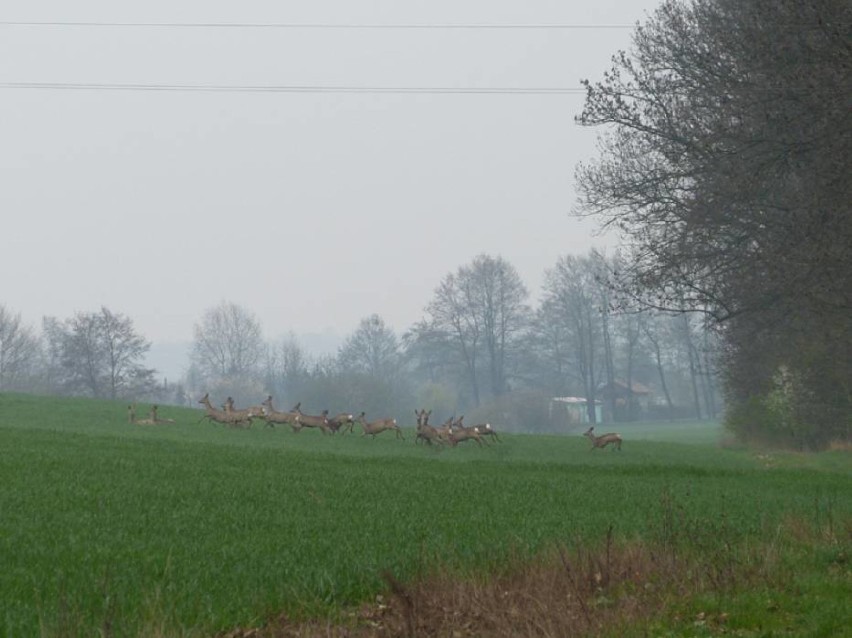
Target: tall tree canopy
{"x": 725, "y": 166}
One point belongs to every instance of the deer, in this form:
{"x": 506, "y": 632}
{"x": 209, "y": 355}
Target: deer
{"x": 426, "y": 432}
{"x": 343, "y": 421}
{"x": 604, "y": 439}
{"x": 273, "y": 416}
{"x": 445, "y": 432}
{"x": 157, "y": 419}
{"x": 131, "y": 417}
{"x": 485, "y": 429}
{"x": 379, "y": 426}
{"x": 242, "y": 416}
{"x": 308, "y": 421}
{"x": 461, "y": 433}
{"x": 152, "y": 419}
{"x": 219, "y": 416}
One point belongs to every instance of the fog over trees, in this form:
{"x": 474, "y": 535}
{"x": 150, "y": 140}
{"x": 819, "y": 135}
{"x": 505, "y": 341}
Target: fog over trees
{"x": 724, "y": 163}
{"x": 480, "y": 349}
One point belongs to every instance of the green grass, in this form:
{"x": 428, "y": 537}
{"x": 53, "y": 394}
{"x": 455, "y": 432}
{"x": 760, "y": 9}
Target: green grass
{"x": 194, "y": 528}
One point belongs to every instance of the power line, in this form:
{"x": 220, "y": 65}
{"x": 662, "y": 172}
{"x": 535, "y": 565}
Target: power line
{"x": 224, "y": 88}
{"x": 313, "y": 25}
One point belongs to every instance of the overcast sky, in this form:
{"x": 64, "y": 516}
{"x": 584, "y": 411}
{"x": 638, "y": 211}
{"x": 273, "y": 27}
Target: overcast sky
{"x": 311, "y": 209}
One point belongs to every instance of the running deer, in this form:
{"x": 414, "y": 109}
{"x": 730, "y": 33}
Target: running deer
{"x": 273, "y": 416}
{"x": 604, "y": 439}
{"x": 343, "y": 421}
{"x": 445, "y": 432}
{"x": 219, "y": 416}
{"x": 308, "y": 421}
{"x": 426, "y": 432}
{"x": 461, "y": 433}
{"x": 377, "y": 427}
{"x": 243, "y": 416}
{"x": 485, "y": 429}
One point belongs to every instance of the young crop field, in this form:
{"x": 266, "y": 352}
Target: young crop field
{"x": 195, "y": 529}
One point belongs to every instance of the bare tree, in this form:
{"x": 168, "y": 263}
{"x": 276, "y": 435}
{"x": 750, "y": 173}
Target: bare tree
{"x": 571, "y": 291}
{"x": 18, "y": 351}
{"x": 373, "y": 349}
{"x": 228, "y": 343}
{"x": 481, "y": 313}
{"x": 99, "y": 354}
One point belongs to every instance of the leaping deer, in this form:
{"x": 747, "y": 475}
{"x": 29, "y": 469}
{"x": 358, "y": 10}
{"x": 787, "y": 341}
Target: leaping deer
{"x": 604, "y": 439}
{"x": 273, "y": 416}
{"x": 462, "y": 433}
{"x": 342, "y": 422}
{"x": 426, "y": 432}
{"x": 219, "y": 416}
{"x": 377, "y": 427}
{"x": 308, "y": 421}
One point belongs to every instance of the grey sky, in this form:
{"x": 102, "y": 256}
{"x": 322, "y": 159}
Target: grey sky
{"x": 311, "y": 210}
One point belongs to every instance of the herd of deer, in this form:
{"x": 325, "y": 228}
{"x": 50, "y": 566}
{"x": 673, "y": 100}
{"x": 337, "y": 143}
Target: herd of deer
{"x": 451, "y": 432}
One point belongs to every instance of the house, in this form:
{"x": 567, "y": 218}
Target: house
{"x": 630, "y": 399}
{"x": 576, "y": 408}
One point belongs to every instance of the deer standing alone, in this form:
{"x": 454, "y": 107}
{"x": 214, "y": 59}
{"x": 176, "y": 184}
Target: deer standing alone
{"x": 604, "y": 439}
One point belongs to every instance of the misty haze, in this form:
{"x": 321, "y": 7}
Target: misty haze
{"x": 425, "y": 319}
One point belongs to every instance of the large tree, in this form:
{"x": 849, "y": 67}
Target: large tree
{"x": 228, "y": 343}
{"x": 99, "y": 354}
{"x": 725, "y": 165}
{"x": 480, "y": 312}
{"x": 18, "y": 351}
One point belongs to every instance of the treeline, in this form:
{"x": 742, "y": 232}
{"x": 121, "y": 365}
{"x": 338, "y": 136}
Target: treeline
{"x": 481, "y": 349}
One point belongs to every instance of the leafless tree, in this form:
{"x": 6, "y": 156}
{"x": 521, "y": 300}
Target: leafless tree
{"x": 373, "y": 349}
{"x": 18, "y": 351}
{"x": 480, "y": 311}
{"x": 571, "y": 291}
{"x": 228, "y": 343}
{"x": 100, "y": 354}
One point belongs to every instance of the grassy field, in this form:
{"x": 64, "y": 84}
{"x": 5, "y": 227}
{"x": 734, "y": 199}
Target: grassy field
{"x": 193, "y": 529}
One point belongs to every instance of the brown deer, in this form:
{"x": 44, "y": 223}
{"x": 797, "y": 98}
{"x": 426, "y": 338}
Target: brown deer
{"x": 273, "y": 416}
{"x": 219, "y": 416}
{"x": 485, "y": 429}
{"x": 309, "y": 421}
{"x": 131, "y": 417}
{"x": 342, "y": 422}
{"x": 243, "y": 416}
{"x": 445, "y": 432}
{"x": 426, "y": 432}
{"x": 604, "y": 439}
{"x": 379, "y": 426}
{"x": 461, "y": 433}
{"x": 156, "y": 419}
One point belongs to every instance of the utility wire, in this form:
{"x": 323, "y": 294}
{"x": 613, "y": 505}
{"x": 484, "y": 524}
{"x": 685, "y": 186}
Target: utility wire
{"x": 224, "y": 88}
{"x": 316, "y": 25}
